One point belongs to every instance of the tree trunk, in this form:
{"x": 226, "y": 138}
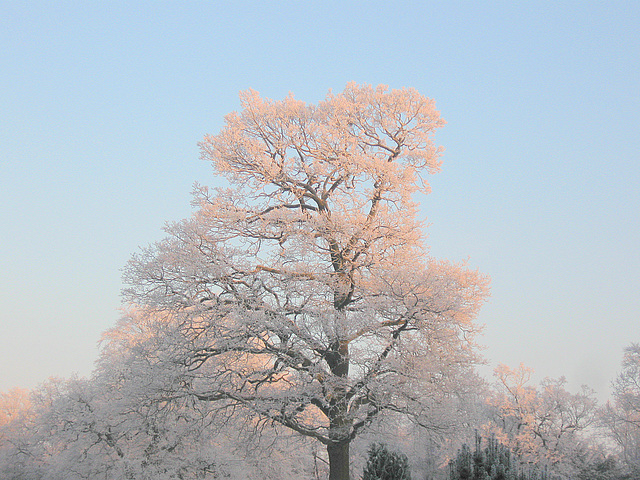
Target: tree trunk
{"x": 338, "y": 461}
{"x": 338, "y": 360}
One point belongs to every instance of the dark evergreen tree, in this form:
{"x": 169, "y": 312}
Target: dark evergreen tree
{"x": 494, "y": 462}
{"x": 383, "y": 464}
{"x": 462, "y": 467}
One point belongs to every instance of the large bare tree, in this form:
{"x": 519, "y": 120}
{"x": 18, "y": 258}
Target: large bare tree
{"x": 303, "y": 292}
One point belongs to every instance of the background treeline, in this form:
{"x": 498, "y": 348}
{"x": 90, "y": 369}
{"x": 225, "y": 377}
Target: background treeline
{"x": 125, "y": 423}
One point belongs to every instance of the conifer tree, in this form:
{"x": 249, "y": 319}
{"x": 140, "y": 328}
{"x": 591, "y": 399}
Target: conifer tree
{"x": 383, "y": 464}
{"x": 494, "y": 462}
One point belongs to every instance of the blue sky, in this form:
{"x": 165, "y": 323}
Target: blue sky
{"x": 102, "y": 104}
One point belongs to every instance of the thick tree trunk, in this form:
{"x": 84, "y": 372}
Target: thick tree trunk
{"x": 338, "y": 360}
{"x": 338, "y": 461}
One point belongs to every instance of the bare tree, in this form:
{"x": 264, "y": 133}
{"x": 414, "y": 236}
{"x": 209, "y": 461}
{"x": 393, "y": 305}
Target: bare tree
{"x": 16, "y": 419}
{"x": 540, "y": 424}
{"x": 304, "y": 293}
{"x": 622, "y": 415}
{"x": 118, "y": 425}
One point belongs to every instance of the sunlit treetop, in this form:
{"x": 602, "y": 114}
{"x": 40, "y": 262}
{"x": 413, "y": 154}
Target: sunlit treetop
{"x": 316, "y": 152}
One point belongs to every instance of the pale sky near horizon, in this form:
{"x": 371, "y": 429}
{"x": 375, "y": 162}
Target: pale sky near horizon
{"x": 102, "y": 105}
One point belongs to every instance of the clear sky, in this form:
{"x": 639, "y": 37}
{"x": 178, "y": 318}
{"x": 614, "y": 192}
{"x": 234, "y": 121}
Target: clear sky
{"x": 102, "y": 104}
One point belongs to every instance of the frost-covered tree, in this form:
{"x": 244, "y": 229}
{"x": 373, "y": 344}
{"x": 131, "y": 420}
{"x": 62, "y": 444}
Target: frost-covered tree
{"x": 303, "y": 293}
{"x": 622, "y": 414}
{"x": 118, "y": 425}
{"x": 540, "y": 424}
{"x": 87, "y": 431}
{"x": 16, "y": 422}
{"x": 78, "y": 430}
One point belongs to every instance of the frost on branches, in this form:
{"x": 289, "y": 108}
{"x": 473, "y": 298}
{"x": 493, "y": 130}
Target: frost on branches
{"x": 541, "y": 425}
{"x": 622, "y": 414}
{"x": 303, "y": 293}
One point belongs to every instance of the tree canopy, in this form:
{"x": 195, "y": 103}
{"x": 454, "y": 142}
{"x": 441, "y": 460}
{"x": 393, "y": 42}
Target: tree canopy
{"x": 303, "y": 292}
